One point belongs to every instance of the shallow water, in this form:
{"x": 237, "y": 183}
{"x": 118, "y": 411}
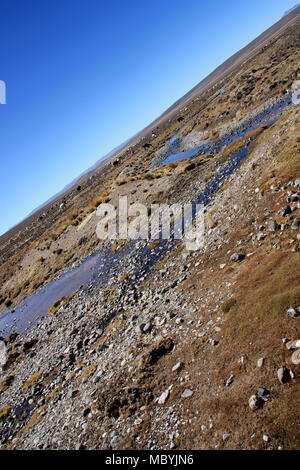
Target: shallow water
{"x": 265, "y": 117}
{"x": 98, "y": 267}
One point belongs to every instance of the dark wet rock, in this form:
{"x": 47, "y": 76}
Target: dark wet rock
{"x": 86, "y": 412}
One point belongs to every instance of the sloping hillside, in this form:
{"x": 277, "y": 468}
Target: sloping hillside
{"x": 137, "y": 344}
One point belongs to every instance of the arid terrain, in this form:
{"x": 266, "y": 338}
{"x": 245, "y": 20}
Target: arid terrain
{"x": 144, "y": 344}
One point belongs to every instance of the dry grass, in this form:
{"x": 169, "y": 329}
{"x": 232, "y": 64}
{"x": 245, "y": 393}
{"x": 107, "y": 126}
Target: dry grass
{"x": 32, "y": 380}
{"x": 88, "y": 372}
{"x": 6, "y": 383}
{"x": 4, "y": 412}
{"x": 62, "y": 302}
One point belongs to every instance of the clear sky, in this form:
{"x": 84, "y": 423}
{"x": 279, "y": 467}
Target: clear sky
{"x": 83, "y": 76}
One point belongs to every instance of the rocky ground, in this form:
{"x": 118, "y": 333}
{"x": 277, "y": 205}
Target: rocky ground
{"x": 200, "y": 349}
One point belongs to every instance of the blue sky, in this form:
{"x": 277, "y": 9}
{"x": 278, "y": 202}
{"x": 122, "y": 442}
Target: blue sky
{"x": 83, "y": 76}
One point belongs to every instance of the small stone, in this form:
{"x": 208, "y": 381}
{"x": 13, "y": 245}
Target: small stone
{"x": 286, "y": 210}
{"x": 255, "y": 402}
{"x": 260, "y": 236}
{"x": 293, "y": 312}
{"x": 177, "y": 367}
{"x": 273, "y": 226}
{"x": 283, "y": 375}
{"x": 262, "y": 393}
{"x": 229, "y": 380}
{"x": 163, "y": 397}
{"x": 296, "y": 357}
{"x": 295, "y": 224}
{"x": 115, "y": 441}
{"x": 3, "y": 354}
{"x": 236, "y": 257}
{"x": 147, "y": 328}
{"x": 290, "y": 345}
{"x": 225, "y": 436}
{"x": 260, "y": 362}
{"x": 266, "y": 438}
{"x": 187, "y": 393}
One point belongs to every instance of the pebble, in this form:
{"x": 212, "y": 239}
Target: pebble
{"x": 177, "y": 367}
{"x": 255, "y": 402}
{"x": 187, "y": 393}
{"x": 229, "y": 380}
{"x": 295, "y": 224}
{"x": 293, "y": 312}
{"x": 236, "y": 257}
{"x": 273, "y": 226}
{"x": 284, "y": 375}
{"x": 296, "y": 357}
{"x": 115, "y": 441}
{"x": 163, "y": 397}
{"x": 260, "y": 362}
{"x": 147, "y": 328}
{"x": 293, "y": 344}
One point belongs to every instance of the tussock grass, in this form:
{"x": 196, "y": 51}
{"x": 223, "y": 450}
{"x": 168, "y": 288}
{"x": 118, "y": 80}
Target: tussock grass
{"x": 32, "y": 380}
{"x": 63, "y": 301}
{"x": 4, "y": 412}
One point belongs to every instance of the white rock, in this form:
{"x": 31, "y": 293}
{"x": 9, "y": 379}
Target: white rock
{"x": 177, "y": 367}
{"x": 163, "y": 397}
{"x": 229, "y": 380}
{"x": 296, "y": 357}
{"x": 260, "y": 362}
{"x": 187, "y": 393}
{"x": 254, "y": 402}
{"x": 3, "y": 354}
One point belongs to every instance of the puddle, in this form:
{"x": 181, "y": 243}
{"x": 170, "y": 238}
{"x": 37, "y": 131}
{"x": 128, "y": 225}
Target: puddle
{"x": 265, "y": 117}
{"x": 99, "y": 267}
{"x": 95, "y": 268}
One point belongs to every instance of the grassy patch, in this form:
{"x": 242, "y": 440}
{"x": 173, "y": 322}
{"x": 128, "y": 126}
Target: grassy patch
{"x": 63, "y": 301}
{"x": 32, "y": 380}
{"x": 4, "y": 412}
